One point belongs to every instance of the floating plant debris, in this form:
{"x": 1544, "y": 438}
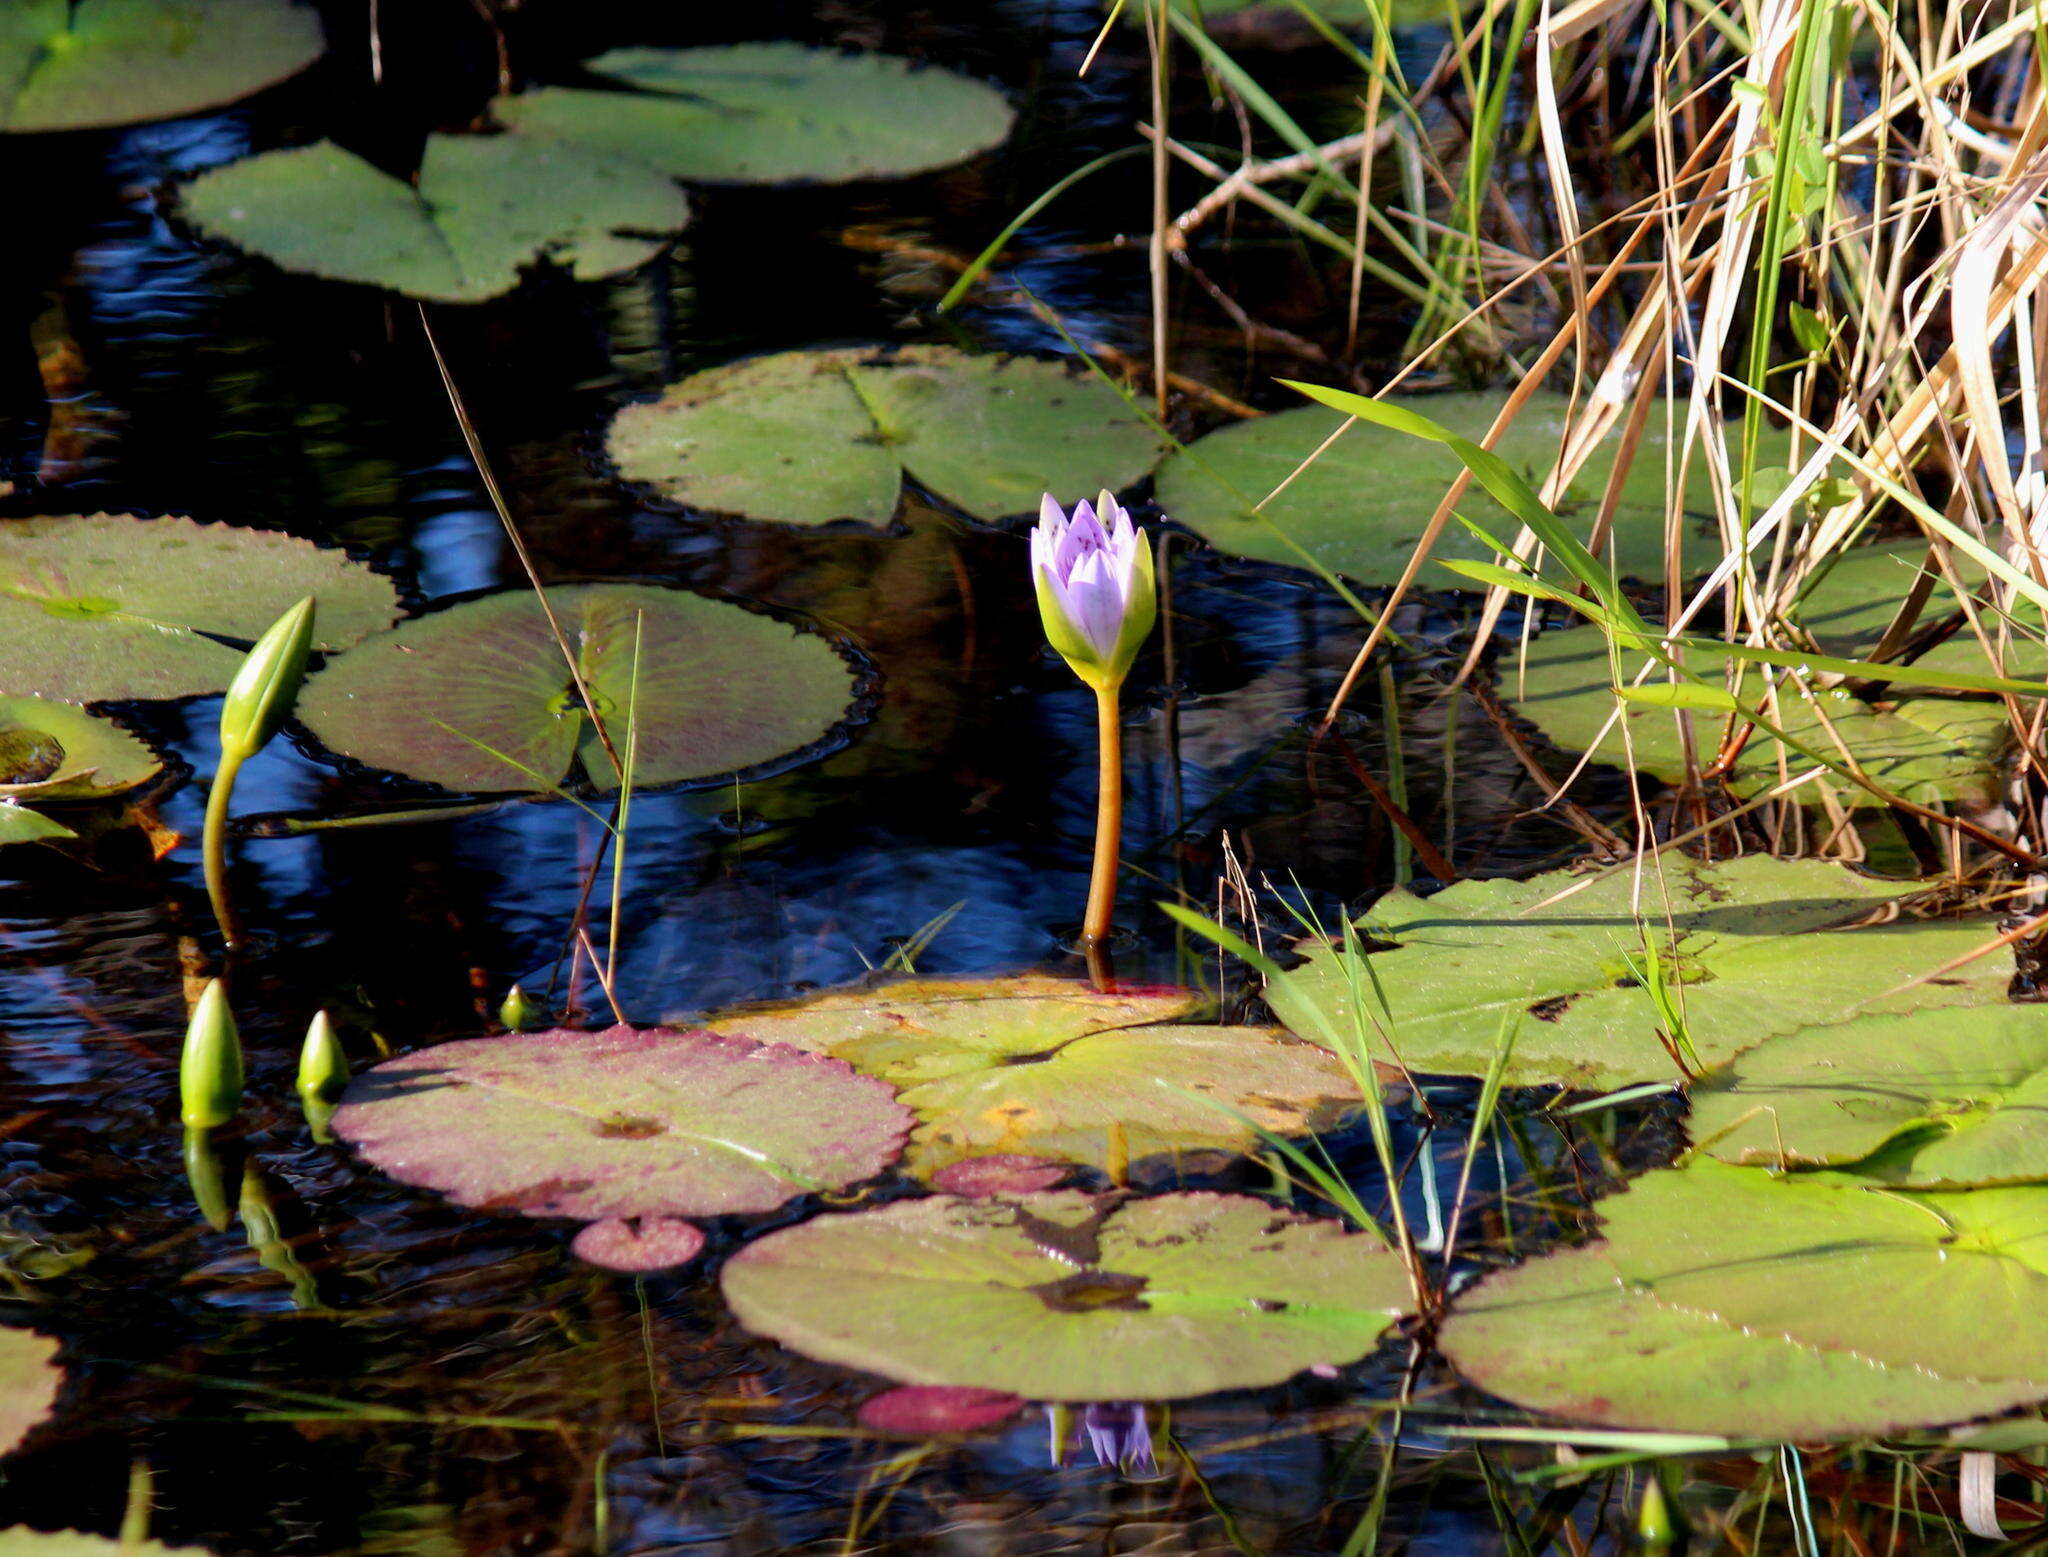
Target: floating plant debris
{"x": 806, "y": 437}
{"x": 478, "y": 696}
{"x": 1065, "y": 1297}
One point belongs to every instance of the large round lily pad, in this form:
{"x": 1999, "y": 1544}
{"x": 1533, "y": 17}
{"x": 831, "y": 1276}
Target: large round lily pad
{"x": 1961, "y": 1096}
{"x": 621, "y": 1123}
{"x": 1726, "y": 1300}
{"x": 81, "y": 64}
{"x": 1924, "y": 748}
{"x": 1743, "y": 939}
{"x": 100, "y": 606}
{"x": 1048, "y": 1068}
{"x": 1067, "y": 1297}
{"x": 484, "y": 209}
{"x": 811, "y": 436}
{"x": 29, "y": 1377}
{"x": 58, "y": 751}
{"x": 478, "y": 697}
{"x": 1362, "y": 506}
{"x": 769, "y": 113}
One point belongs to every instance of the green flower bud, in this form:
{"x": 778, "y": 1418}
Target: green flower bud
{"x": 210, "y": 1072}
{"x": 516, "y": 1011}
{"x": 323, "y": 1067}
{"x": 262, "y": 693}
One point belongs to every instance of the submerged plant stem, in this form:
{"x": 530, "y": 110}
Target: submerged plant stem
{"x": 1109, "y": 817}
{"x": 214, "y": 848}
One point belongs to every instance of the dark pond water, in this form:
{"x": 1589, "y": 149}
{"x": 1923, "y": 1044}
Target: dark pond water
{"x": 387, "y": 1374}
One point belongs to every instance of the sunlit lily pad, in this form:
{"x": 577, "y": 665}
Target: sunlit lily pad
{"x": 29, "y": 1377}
{"x": 1361, "y": 507}
{"x": 769, "y": 113}
{"x": 80, "y": 64}
{"x": 1924, "y": 748}
{"x": 58, "y": 751}
{"x": 103, "y": 606}
{"x": 1344, "y": 13}
{"x": 19, "y": 824}
{"x": 485, "y": 208}
{"x": 621, "y": 1123}
{"x": 1726, "y": 1300}
{"x": 1749, "y": 935}
{"x": 1066, "y": 1297}
{"x": 1045, "y": 1068}
{"x": 478, "y": 696}
{"x": 1961, "y": 1096}
{"x": 647, "y": 1244}
{"x": 1849, "y": 608}
{"x": 806, "y": 437}
{"x": 24, "y": 1542}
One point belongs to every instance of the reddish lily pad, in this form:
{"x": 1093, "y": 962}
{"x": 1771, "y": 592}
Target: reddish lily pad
{"x": 936, "y": 1410}
{"x": 652, "y": 1243}
{"x": 1003, "y": 1173}
{"x": 478, "y": 697}
{"x": 626, "y": 1122}
{"x": 29, "y": 1377}
{"x": 1067, "y": 1296}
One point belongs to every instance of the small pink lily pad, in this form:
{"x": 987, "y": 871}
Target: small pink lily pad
{"x": 628, "y": 1122}
{"x": 934, "y": 1410}
{"x": 1001, "y": 1173}
{"x": 653, "y": 1243}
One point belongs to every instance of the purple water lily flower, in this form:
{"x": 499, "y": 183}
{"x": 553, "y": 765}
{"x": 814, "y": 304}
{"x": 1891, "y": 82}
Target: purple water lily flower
{"x": 1119, "y": 1432}
{"x": 1096, "y": 593}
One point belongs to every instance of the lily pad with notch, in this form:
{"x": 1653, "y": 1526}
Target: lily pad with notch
{"x": 478, "y": 696}
{"x": 628, "y": 1122}
{"x": 807, "y": 437}
{"x": 87, "y": 64}
{"x": 1361, "y": 507}
{"x": 1064, "y": 1296}
{"x": 768, "y": 113}
{"x": 52, "y": 751}
{"x": 1740, "y": 940}
{"x": 1051, "y": 1069}
{"x": 1814, "y": 1306}
{"x": 96, "y": 607}
{"x": 1951, "y": 1098}
{"x": 484, "y": 209}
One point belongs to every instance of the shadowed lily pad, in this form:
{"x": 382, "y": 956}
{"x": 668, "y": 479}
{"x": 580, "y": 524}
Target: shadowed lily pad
{"x": 18, "y": 824}
{"x": 1065, "y": 1297}
{"x": 82, "y": 64}
{"x": 650, "y": 1243}
{"x": 935, "y": 1410}
{"x": 478, "y": 696}
{"x": 1362, "y": 506}
{"x": 103, "y": 606}
{"x": 1924, "y": 748}
{"x": 1002, "y": 1173}
{"x": 485, "y": 208}
{"x": 1961, "y": 1096}
{"x": 24, "y": 1542}
{"x": 621, "y": 1123}
{"x": 806, "y": 437}
{"x": 58, "y": 751}
{"x": 29, "y": 1377}
{"x": 1749, "y": 935}
{"x": 769, "y": 113}
{"x": 1050, "y": 1068}
{"x": 1725, "y": 1300}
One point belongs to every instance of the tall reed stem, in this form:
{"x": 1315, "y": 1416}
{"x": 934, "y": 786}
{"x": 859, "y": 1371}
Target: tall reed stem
{"x": 1109, "y": 817}
{"x": 214, "y": 848}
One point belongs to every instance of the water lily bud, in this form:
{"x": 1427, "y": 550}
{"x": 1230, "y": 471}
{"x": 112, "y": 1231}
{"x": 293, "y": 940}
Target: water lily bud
{"x": 265, "y": 687}
{"x": 1655, "y": 1528}
{"x": 1096, "y": 592}
{"x": 210, "y": 1073}
{"x": 323, "y": 1068}
{"x": 516, "y": 1011}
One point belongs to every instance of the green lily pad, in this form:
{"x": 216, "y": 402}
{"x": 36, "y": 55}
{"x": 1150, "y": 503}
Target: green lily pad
{"x": 1725, "y": 1300}
{"x": 102, "y": 606}
{"x": 1962, "y": 1097}
{"x": 769, "y": 113}
{"x": 18, "y": 824}
{"x": 1064, "y": 1296}
{"x": 1362, "y": 506}
{"x": 58, "y": 751}
{"x": 1852, "y": 604}
{"x": 1924, "y": 748}
{"x": 20, "y": 1541}
{"x": 1048, "y": 1068}
{"x": 29, "y": 1377}
{"x": 626, "y": 1122}
{"x": 1747, "y": 936}
{"x": 810, "y": 436}
{"x": 485, "y": 208}
{"x": 478, "y": 696}
{"x": 83, "y": 64}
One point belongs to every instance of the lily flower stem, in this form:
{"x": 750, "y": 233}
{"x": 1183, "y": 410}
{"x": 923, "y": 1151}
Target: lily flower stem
{"x": 1109, "y": 818}
{"x": 214, "y": 848}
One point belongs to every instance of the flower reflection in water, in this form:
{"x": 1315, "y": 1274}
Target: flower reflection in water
{"x": 1118, "y": 1431}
